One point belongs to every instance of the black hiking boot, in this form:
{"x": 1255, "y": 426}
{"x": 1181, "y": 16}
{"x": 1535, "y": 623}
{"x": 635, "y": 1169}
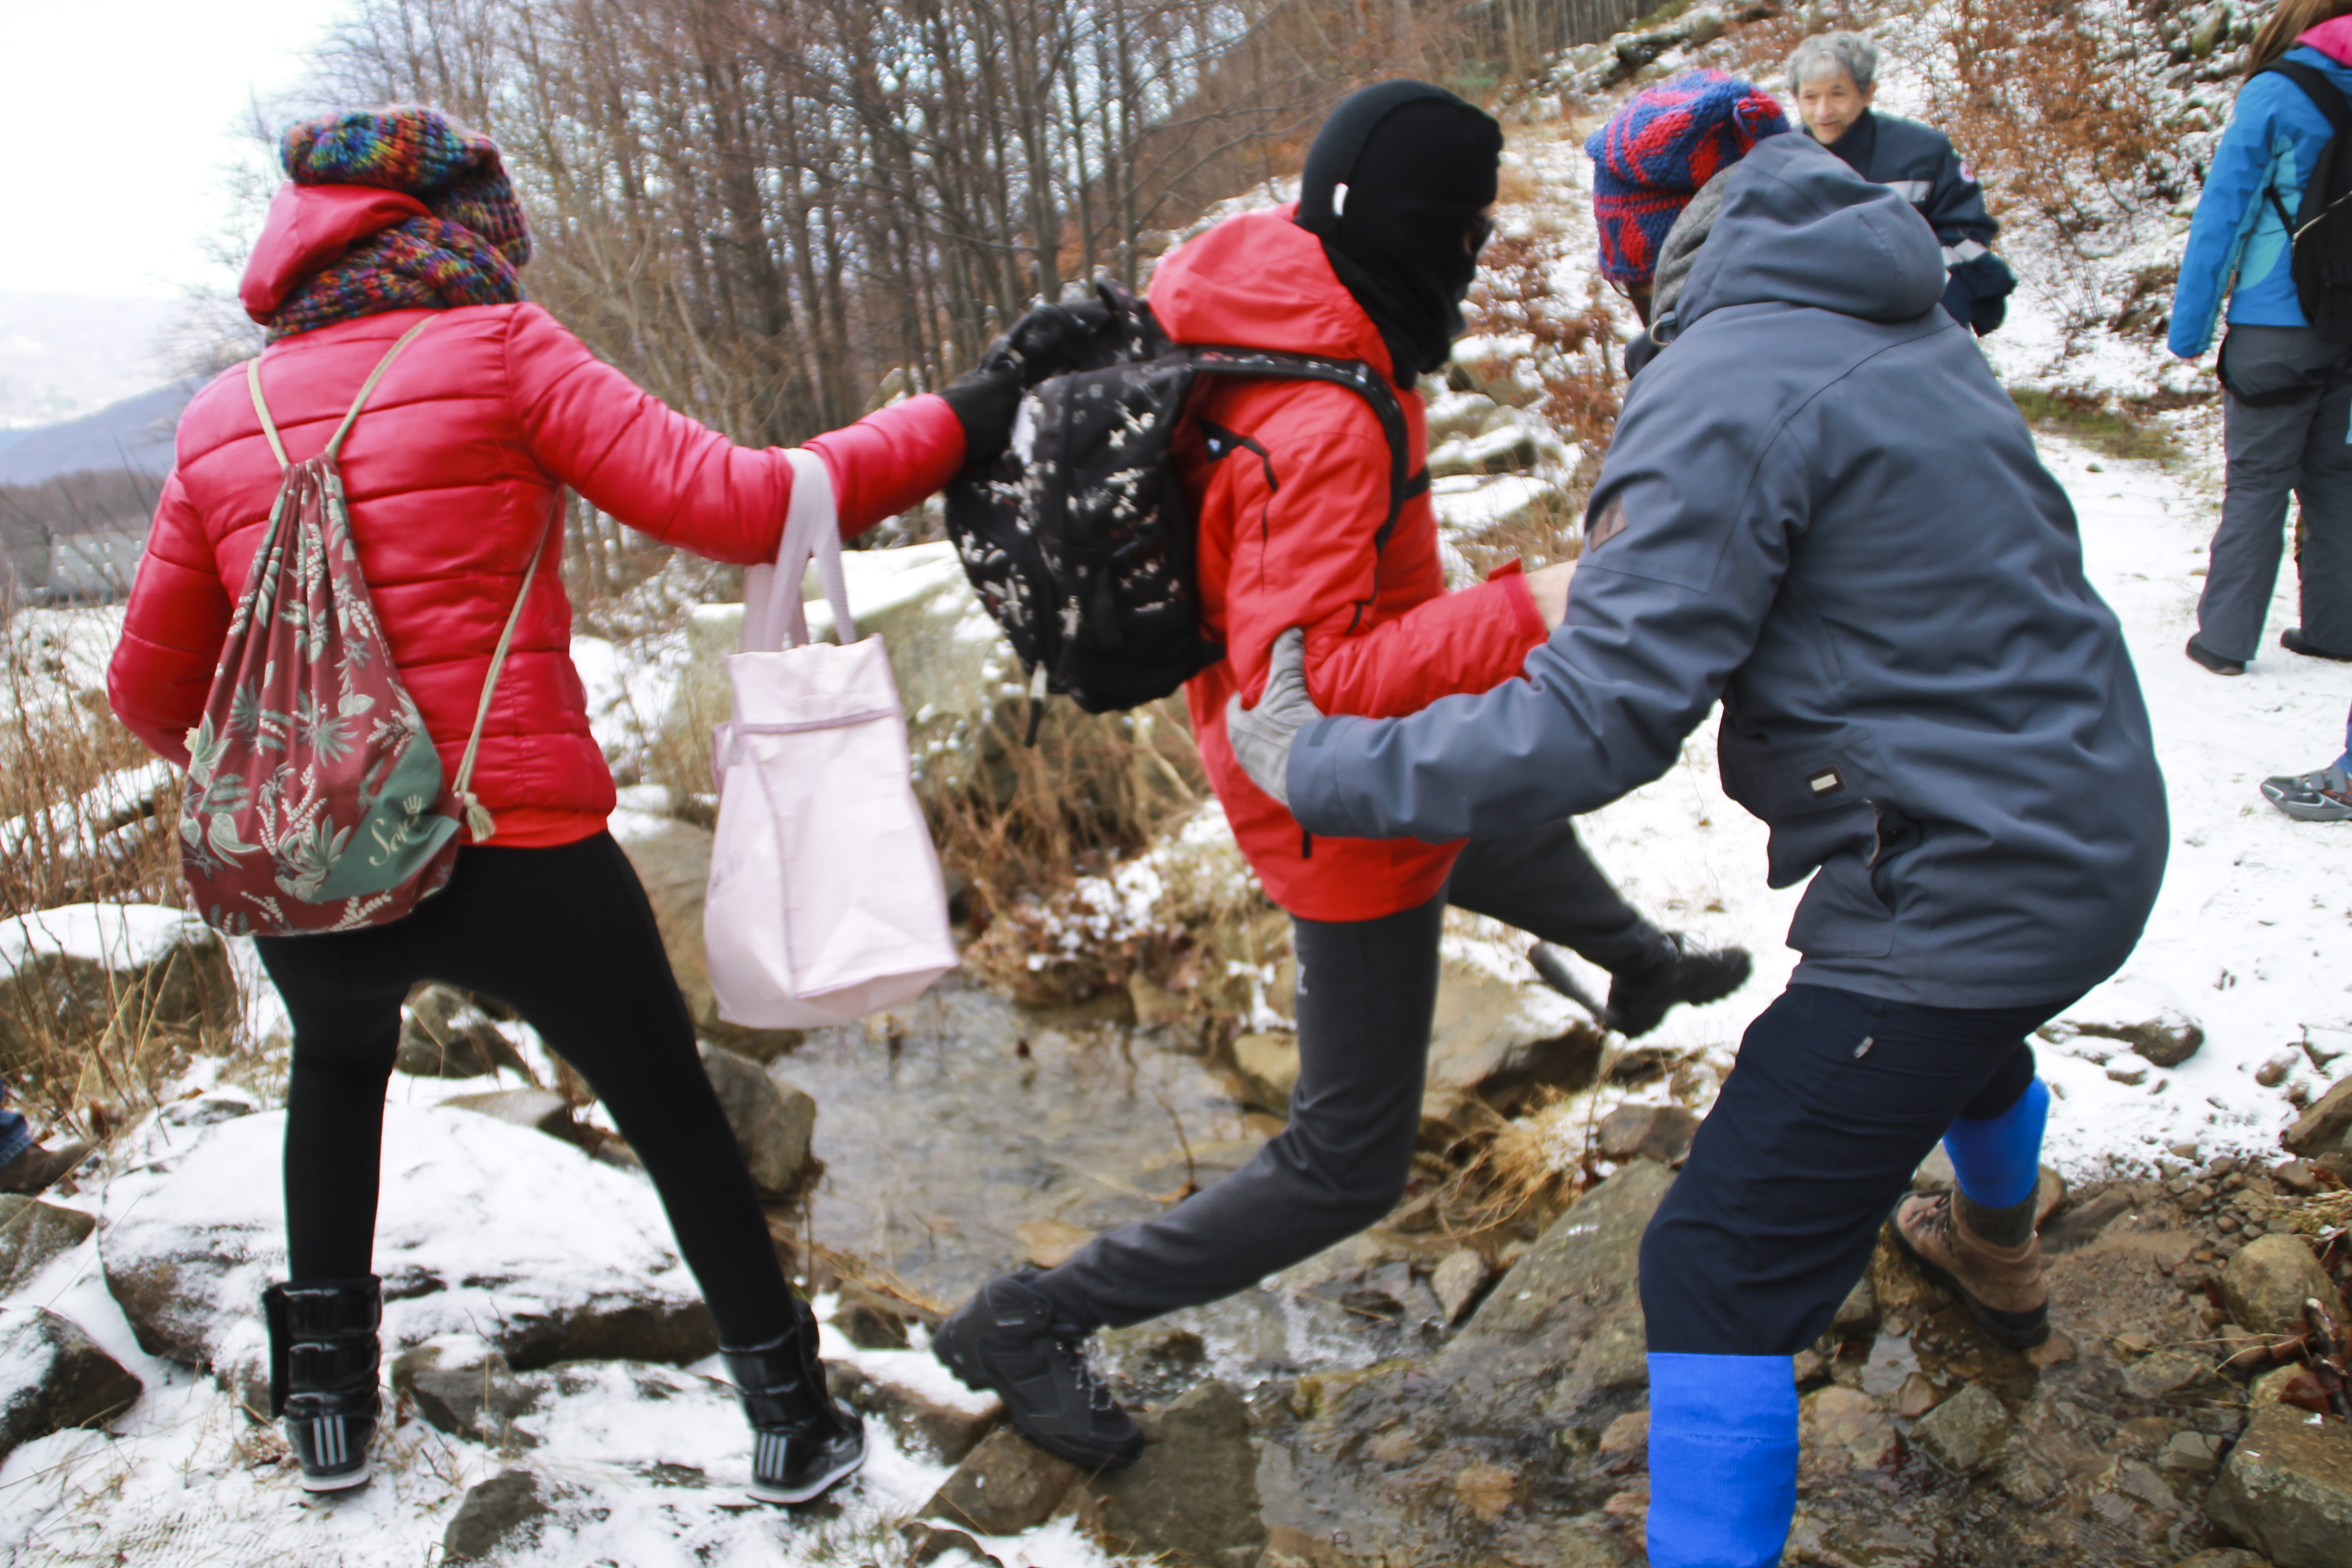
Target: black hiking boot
{"x": 802, "y": 1441}
{"x": 1681, "y": 975}
{"x": 1004, "y": 1342}
{"x": 2294, "y": 641}
{"x": 325, "y": 1374}
{"x": 2219, "y": 664}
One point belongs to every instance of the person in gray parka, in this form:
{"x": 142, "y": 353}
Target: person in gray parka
{"x": 1925, "y": 699}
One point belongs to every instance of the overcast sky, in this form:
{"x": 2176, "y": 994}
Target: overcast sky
{"x": 119, "y": 117}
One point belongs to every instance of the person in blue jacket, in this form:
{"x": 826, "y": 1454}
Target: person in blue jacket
{"x": 2286, "y": 393}
{"x": 1833, "y": 76}
{"x": 1925, "y": 699}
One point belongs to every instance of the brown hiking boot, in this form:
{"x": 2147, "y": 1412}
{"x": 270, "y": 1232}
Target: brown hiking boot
{"x": 37, "y": 1168}
{"x": 2002, "y": 1286}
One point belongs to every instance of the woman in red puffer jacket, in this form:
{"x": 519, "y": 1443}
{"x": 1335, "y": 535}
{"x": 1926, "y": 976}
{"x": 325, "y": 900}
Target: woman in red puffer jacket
{"x": 455, "y": 473}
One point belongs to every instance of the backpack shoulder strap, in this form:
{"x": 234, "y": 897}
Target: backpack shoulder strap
{"x": 1357, "y": 376}
{"x": 2324, "y": 93}
{"x": 334, "y": 442}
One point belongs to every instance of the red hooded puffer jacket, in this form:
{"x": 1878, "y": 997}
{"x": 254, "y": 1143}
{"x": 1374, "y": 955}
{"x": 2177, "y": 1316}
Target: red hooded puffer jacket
{"x": 453, "y": 471}
{"x": 1287, "y": 529}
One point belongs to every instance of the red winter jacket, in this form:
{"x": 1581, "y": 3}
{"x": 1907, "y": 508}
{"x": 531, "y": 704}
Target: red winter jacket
{"x": 1286, "y": 527}
{"x": 453, "y": 471}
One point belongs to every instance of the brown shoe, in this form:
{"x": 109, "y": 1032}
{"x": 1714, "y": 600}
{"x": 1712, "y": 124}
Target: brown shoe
{"x": 2002, "y": 1286}
{"x": 37, "y": 1168}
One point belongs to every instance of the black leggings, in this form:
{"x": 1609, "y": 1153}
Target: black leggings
{"x": 566, "y": 938}
{"x": 1367, "y": 992}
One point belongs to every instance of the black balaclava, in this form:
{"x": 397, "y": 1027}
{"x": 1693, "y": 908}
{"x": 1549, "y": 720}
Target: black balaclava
{"x": 1420, "y": 166}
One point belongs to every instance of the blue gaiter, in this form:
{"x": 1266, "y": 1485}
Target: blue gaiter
{"x": 1723, "y": 1459}
{"x": 1998, "y": 1160}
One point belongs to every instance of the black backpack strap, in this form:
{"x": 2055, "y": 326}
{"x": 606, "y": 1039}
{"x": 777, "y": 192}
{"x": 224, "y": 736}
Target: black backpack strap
{"x": 2319, "y": 90}
{"x": 1269, "y": 364}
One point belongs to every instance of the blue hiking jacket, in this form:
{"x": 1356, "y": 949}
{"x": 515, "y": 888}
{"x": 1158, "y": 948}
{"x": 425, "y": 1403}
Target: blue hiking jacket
{"x": 1918, "y": 164}
{"x": 1821, "y": 507}
{"x": 2264, "y": 157}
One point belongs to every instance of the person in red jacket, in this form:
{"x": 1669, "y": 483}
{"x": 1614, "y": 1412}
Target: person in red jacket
{"x": 1291, "y": 482}
{"x": 456, "y": 474}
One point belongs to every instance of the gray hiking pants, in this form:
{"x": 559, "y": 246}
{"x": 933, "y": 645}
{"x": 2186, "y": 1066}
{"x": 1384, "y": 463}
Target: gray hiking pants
{"x": 2287, "y": 424}
{"x": 1367, "y": 992}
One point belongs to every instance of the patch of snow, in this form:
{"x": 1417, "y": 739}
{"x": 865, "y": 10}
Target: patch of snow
{"x": 116, "y": 936}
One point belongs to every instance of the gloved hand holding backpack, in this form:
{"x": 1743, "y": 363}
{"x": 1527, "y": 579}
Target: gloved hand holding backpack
{"x": 1041, "y": 344}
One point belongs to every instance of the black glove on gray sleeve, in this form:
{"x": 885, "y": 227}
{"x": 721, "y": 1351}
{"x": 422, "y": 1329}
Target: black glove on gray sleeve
{"x": 1262, "y": 736}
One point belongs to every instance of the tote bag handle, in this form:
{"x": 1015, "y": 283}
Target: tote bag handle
{"x": 774, "y": 617}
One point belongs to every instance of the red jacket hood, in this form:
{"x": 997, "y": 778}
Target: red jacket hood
{"x": 2332, "y": 39}
{"x": 1260, "y": 281}
{"x": 311, "y": 227}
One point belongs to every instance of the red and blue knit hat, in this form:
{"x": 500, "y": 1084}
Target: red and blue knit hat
{"x": 1656, "y": 151}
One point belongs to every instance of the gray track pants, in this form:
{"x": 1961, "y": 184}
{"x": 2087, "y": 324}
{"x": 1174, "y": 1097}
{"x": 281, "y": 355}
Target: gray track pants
{"x": 1367, "y": 991}
{"x": 2287, "y": 422}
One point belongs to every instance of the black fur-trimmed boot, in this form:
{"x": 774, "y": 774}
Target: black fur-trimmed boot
{"x": 803, "y": 1442}
{"x": 325, "y": 1374}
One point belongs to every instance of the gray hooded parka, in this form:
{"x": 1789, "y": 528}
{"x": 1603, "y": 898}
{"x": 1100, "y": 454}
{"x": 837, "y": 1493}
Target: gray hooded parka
{"x": 1821, "y": 507}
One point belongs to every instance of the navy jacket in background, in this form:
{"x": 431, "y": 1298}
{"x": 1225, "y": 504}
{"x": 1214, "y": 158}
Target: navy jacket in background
{"x": 1918, "y": 164}
{"x": 1820, "y": 507}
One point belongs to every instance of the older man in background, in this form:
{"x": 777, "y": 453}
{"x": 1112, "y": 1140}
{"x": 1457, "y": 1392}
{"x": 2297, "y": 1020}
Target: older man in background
{"x": 1833, "y": 76}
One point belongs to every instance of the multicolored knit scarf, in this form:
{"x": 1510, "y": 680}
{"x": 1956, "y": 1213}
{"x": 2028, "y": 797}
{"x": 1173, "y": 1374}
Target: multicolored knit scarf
{"x": 464, "y": 252}
{"x": 1658, "y": 150}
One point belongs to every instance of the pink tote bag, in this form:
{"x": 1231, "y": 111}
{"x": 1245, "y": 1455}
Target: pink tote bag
{"x": 826, "y": 899}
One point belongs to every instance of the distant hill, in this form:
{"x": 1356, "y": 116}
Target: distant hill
{"x": 133, "y": 435}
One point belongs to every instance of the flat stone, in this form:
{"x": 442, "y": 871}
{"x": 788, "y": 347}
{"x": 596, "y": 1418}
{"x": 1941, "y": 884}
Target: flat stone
{"x": 540, "y": 1109}
{"x": 2320, "y": 1129}
{"x": 1458, "y": 1278}
{"x": 2265, "y": 1284}
{"x": 1841, "y": 1429}
{"x": 1967, "y": 1432}
{"x": 2056, "y": 1350}
{"x": 500, "y": 1519}
{"x": 1628, "y": 1436}
{"x": 1005, "y": 1485}
{"x": 1050, "y": 1243}
{"x": 1491, "y": 1038}
{"x": 2191, "y": 1453}
{"x": 476, "y": 1396}
{"x": 1916, "y": 1396}
{"x": 773, "y": 1122}
{"x": 1858, "y": 1314}
{"x": 34, "y": 1235}
{"x": 2163, "y": 1372}
{"x": 446, "y": 1032}
{"x": 1193, "y": 1494}
{"x": 484, "y": 1230}
{"x": 1660, "y": 1133}
{"x": 869, "y": 1324}
{"x": 1267, "y": 1066}
{"x": 53, "y": 1376}
{"x": 950, "y": 1431}
{"x": 2286, "y": 1489}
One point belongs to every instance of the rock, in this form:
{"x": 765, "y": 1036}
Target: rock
{"x": 1660, "y": 1133}
{"x": 927, "y": 1544}
{"x": 1493, "y": 1039}
{"x": 2223, "y": 1557}
{"x": 1506, "y": 449}
{"x": 499, "y": 1519}
{"x": 1967, "y": 1432}
{"x": 1935, "y": 1174}
{"x": 68, "y": 975}
{"x": 1050, "y": 1243}
{"x": 1858, "y": 1314}
{"x": 1193, "y": 1494}
{"x": 868, "y": 1322}
{"x": 2166, "y": 1040}
{"x": 950, "y": 1431}
{"x": 476, "y": 1396}
{"x": 2322, "y": 1127}
{"x": 1916, "y": 1396}
{"x": 2056, "y": 1350}
{"x": 1628, "y": 1438}
{"x": 205, "y": 1110}
{"x": 53, "y": 1376}
{"x": 1566, "y": 1315}
{"x": 540, "y": 1109}
{"x": 2165, "y": 1372}
{"x": 443, "y": 1033}
{"x": 2129, "y": 1071}
{"x": 33, "y": 1235}
{"x": 2286, "y": 1489}
{"x": 2191, "y": 1453}
{"x": 2298, "y": 1177}
{"x": 1267, "y": 1066}
{"x": 672, "y": 859}
{"x": 2265, "y": 1284}
{"x": 1843, "y": 1429}
{"x": 1006, "y": 1484}
{"x": 484, "y": 1229}
{"x": 773, "y": 1122}
{"x": 1458, "y": 1278}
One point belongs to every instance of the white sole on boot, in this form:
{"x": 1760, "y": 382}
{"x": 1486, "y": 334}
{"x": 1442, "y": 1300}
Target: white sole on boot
{"x": 815, "y": 1489}
{"x": 359, "y": 1478}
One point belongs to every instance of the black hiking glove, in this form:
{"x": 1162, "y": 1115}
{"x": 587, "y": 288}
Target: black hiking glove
{"x": 1044, "y": 342}
{"x": 1262, "y": 736}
